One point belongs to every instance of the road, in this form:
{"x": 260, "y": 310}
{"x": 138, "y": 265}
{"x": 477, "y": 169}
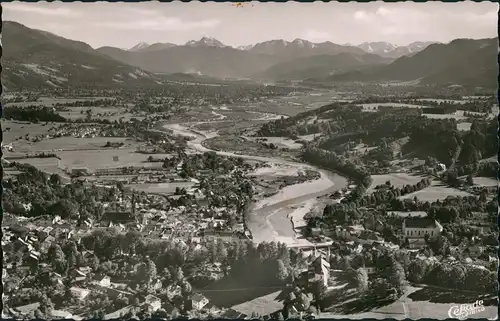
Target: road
{"x": 259, "y": 224}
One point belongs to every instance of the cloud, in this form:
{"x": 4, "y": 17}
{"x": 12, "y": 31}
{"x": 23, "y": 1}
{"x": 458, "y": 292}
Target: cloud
{"x": 46, "y": 10}
{"x": 161, "y": 24}
{"x": 360, "y": 15}
{"x": 382, "y": 11}
{"x": 315, "y": 35}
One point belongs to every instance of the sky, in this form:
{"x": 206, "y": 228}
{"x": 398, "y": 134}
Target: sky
{"x": 124, "y": 25}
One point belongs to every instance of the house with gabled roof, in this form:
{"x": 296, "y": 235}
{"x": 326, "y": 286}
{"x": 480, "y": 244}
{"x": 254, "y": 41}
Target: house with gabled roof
{"x": 198, "y": 301}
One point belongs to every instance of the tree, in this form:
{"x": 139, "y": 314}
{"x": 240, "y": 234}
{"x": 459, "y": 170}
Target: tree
{"x": 186, "y": 289}
{"x": 470, "y": 180}
{"x": 319, "y": 291}
{"x": 55, "y": 180}
{"x": 57, "y": 258}
{"x": 361, "y": 280}
{"x": 282, "y": 273}
{"x": 379, "y": 288}
{"x": 179, "y": 275}
{"x": 417, "y": 270}
{"x": 397, "y": 278}
{"x": 144, "y": 275}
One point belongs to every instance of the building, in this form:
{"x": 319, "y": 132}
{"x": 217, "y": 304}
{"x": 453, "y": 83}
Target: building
{"x": 60, "y": 314}
{"x": 320, "y": 269}
{"x": 198, "y": 301}
{"x": 101, "y": 280}
{"x": 79, "y": 293}
{"x": 27, "y": 309}
{"x": 474, "y": 251}
{"x": 154, "y": 301}
{"x": 417, "y": 229}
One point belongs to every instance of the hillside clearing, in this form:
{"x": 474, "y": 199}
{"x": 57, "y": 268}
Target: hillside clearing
{"x": 396, "y": 179}
{"x": 437, "y": 191}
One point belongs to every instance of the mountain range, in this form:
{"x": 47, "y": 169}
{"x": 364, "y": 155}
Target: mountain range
{"x": 462, "y": 61}
{"x": 271, "y": 60}
{"x": 35, "y": 58}
{"x": 39, "y": 58}
{"x": 273, "y": 47}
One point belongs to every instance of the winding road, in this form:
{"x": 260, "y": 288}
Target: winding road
{"x": 259, "y": 224}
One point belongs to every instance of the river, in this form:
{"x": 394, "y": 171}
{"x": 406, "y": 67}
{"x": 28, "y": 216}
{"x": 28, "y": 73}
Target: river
{"x": 260, "y": 226}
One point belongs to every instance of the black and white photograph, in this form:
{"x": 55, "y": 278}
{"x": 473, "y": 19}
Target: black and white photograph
{"x": 248, "y": 160}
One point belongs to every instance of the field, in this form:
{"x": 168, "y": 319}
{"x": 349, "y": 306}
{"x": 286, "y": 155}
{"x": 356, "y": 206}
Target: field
{"x": 443, "y": 100}
{"x": 437, "y": 191}
{"x": 239, "y": 145}
{"x": 51, "y": 101}
{"x": 70, "y": 144}
{"x": 310, "y": 138}
{"x": 48, "y": 165}
{"x": 396, "y": 179}
{"x": 94, "y": 159}
{"x": 416, "y": 304}
{"x": 15, "y": 129}
{"x": 277, "y": 170}
{"x": 263, "y": 305}
{"x": 374, "y": 106}
{"x": 280, "y": 142}
{"x": 110, "y": 113}
{"x": 458, "y": 115}
{"x": 485, "y": 181}
{"x": 464, "y": 126}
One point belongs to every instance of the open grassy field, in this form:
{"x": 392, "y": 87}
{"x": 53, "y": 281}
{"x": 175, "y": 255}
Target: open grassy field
{"x": 239, "y": 145}
{"x": 70, "y": 144}
{"x": 15, "y": 129}
{"x": 110, "y": 113}
{"x": 263, "y": 305}
{"x": 485, "y": 181}
{"x": 374, "y": 106}
{"x": 396, "y": 179}
{"x": 51, "y": 101}
{"x": 458, "y": 115}
{"x": 94, "y": 159}
{"x": 48, "y": 165}
{"x": 464, "y": 126}
{"x": 281, "y": 142}
{"x": 415, "y": 304}
{"x": 238, "y": 291}
{"x": 437, "y": 191}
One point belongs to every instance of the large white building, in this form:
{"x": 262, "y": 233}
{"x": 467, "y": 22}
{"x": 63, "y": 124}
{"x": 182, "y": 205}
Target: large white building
{"x": 415, "y": 230}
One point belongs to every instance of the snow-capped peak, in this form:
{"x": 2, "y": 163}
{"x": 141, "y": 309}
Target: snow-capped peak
{"x": 141, "y": 45}
{"x": 205, "y": 41}
{"x": 247, "y": 47}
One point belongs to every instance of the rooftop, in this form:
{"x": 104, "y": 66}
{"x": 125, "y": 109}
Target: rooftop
{"x": 420, "y": 222}
{"x": 197, "y": 297}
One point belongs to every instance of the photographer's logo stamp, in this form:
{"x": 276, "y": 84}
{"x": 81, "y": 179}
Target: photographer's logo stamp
{"x": 463, "y": 311}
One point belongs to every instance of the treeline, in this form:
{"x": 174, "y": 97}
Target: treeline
{"x": 485, "y": 169}
{"x": 49, "y": 196}
{"x": 389, "y": 192}
{"x": 343, "y": 122}
{"x": 481, "y": 141}
{"x": 241, "y": 258}
{"x": 332, "y": 161}
{"x": 457, "y": 276}
{"x": 89, "y": 103}
{"x": 32, "y": 114}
